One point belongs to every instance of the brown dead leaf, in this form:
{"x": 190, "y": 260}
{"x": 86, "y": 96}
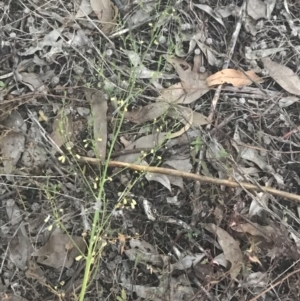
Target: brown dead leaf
{"x": 191, "y": 87}
{"x": 13, "y": 141}
{"x": 60, "y": 250}
{"x": 184, "y": 115}
{"x": 33, "y": 81}
{"x": 99, "y": 110}
{"x": 160, "y": 178}
{"x": 62, "y": 130}
{"x": 230, "y": 247}
{"x": 192, "y": 82}
{"x": 20, "y": 249}
{"x": 173, "y": 94}
{"x": 106, "y": 12}
{"x": 283, "y": 75}
{"x": 155, "y": 110}
{"x": 235, "y": 77}
{"x": 147, "y": 113}
{"x": 256, "y": 9}
{"x": 85, "y": 9}
{"x": 255, "y": 230}
{"x": 211, "y": 58}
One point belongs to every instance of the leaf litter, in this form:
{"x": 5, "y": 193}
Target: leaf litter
{"x": 163, "y": 65}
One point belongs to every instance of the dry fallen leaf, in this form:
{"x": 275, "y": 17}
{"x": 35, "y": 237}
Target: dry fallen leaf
{"x": 256, "y": 9}
{"x": 157, "y": 260}
{"x": 187, "y": 261}
{"x": 106, "y": 12}
{"x": 211, "y": 58}
{"x": 147, "y": 113}
{"x": 155, "y": 110}
{"x": 20, "y": 249}
{"x": 173, "y": 94}
{"x": 14, "y": 213}
{"x": 34, "y": 155}
{"x": 173, "y": 286}
{"x": 62, "y": 130}
{"x": 179, "y": 162}
{"x": 255, "y": 230}
{"x": 287, "y": 101}
{"x": 191, "y": 87}
{"x": 85, "y": 9}
{"x": 235, "y": 77}
{"x": 99, "y": 110}
{"x": 211, "y": 12}
{"x": 248, "y": 153}
{"x": 13, "y": 141}
{"x": 60, "y": 250}
{"x": 283, "y": 75}
{"x": 183, "y": 114}
{"x": 192, "y": 82}
{"x": 160, "y": 178}
{"x": 230, "y": 247}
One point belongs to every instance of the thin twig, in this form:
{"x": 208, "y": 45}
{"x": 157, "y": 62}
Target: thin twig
{"x": 204, "y": 179}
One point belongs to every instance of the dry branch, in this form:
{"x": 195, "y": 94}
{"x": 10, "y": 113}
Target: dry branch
{"x": 195, "y": 177}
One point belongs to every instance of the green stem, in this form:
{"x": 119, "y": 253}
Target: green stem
{"x": 93, "y": 238}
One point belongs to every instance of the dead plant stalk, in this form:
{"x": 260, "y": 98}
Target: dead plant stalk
{"x": 195, "y": 177}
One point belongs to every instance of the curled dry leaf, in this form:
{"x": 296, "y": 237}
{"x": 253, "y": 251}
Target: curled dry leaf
{"x": 162, "y": 179}
{"x": 106, "y": 12}
{"x": 99, "y": 109}
{"x": 235, "y": 77}
{"x": 283, "y": 75}
{"x": 230, "y": 247}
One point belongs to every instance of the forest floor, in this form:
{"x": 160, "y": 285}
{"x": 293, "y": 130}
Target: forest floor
{"x": 150, "y": 150}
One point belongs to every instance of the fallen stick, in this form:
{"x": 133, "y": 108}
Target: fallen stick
{"x": 195, "y": 177}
